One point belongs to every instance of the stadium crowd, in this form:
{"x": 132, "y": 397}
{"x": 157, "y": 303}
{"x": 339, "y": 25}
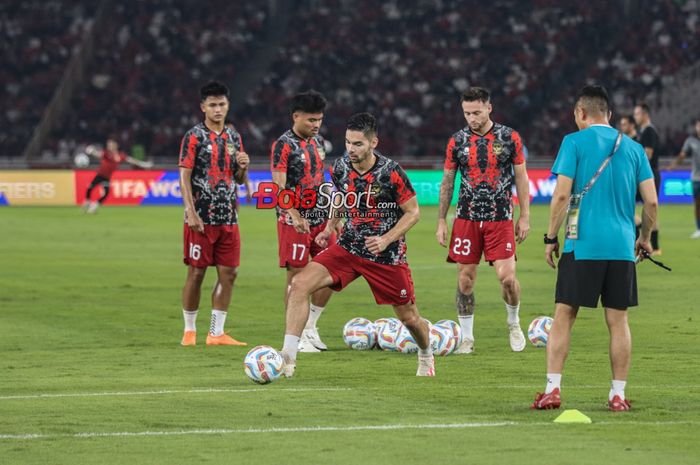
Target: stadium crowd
{"x": 37, "y": 39}
{"x": 406, "y": 62}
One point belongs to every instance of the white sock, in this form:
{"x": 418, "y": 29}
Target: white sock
{"x": 513, "y": 311}
{"x": 467, "y": 325}
{"x": 425, "y": 352}
{"x": 291, "y": 346}
{"x": 553, "y": 382}
{"x": 314, "y": 315}
{"x": 218, "y": 318}
{"x": 190, "y": 317}
{"x": 617, "y": 389}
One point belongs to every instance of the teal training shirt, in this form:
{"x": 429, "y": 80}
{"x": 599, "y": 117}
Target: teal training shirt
{"x": 606, "y": 218}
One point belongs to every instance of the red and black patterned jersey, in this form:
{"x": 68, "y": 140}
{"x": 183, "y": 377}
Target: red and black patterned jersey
{"x": 109, "y": 163}
{"x": 212, "y": 159}
{"x": 487, "y": 174}
{"x": 302, "y": 161}
{"x": 385, "y": 187}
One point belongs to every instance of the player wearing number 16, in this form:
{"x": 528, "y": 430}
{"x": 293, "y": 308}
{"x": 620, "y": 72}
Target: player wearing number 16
{"x": 488, "y": 155}
{"x": 212, "y": 160}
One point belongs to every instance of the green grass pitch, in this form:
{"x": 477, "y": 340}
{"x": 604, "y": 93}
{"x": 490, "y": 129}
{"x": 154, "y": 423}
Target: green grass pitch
{"x": 91, "y": 370}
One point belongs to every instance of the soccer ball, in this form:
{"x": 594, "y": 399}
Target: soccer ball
{"x": 454, "y": 330}
{"x": 263, "y": 364}
{"x": 538, "y": 331}
{"x": 358, "y": 334}
{"x": 442, "y": 341}
{"x": 389, "y": 333}
{"x": 405, "y": 343}
{"x": 81, "y": 160}
{"x": 378, "y": 324}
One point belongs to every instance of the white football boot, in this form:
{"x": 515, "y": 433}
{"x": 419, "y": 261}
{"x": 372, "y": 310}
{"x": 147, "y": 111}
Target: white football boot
{"x": 517, "y": 338}
{"x": 312, "y": 336}
{"x": 466, "y": 347}
{"x": 305, "y": 345}
{"x": 289, "y": 366}
{"x": 426, "y": 365}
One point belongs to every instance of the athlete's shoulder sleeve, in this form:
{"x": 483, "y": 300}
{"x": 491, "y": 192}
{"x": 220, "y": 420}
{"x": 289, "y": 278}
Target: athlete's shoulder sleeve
{"x": 401, "y": 185}
{"x": 450, "y": 157}
{"x": 687, "y": 146}
{"x": 518, "y": 154}
{"x": 188, "y": 150}
{"x": 335, "y": 171}
{"x": 279, "y": 155}
{"x": 567, "y": 158}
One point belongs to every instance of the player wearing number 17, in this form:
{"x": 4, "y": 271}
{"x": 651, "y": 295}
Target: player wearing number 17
{"x": 487, "y": 155}
{"x": 212, "y": 161}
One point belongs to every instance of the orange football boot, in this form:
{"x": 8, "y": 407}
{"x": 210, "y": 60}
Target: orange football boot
{"x": 189, "y": 338}
{"x": 223, "y": 340}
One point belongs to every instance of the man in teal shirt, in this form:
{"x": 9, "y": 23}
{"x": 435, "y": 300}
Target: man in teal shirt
{"x": 598, "y": 260}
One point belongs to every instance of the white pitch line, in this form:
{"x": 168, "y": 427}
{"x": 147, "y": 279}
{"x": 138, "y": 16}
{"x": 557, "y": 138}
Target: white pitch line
{"x": 266, "y": 390}
{"x": 321, "y": 429}
{"x": 163, "y": 392}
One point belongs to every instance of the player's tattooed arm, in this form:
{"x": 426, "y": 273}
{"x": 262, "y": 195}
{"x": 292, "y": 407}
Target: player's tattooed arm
{"x": 446, "y": 190}
{"x": 465, "y": 303}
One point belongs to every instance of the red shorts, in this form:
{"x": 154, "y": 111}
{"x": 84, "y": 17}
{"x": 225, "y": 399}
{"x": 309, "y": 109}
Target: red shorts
{"x": 217, "y": 245}
{"x": 496, "y": 239}
{"x": 296, "y": 248}
{"x": 390, "y": 284}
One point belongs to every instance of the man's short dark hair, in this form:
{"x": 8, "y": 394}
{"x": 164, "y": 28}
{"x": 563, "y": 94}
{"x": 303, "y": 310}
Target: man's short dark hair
{"x": 594, "y": 98}
{"x": 474, "y": 94}
{"x": 644, "y": 106}
{"x": 629, "y": 118}
{"x": 365, "y": 123}
{"x": 308, "y": 102}
{"x": 213, "y": 89}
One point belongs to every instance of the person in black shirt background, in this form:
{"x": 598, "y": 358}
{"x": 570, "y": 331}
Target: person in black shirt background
{"x": 649, "y": 138}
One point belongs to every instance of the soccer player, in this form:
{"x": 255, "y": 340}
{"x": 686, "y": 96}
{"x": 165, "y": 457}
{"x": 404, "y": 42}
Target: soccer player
{"x": 649, "y": 138}
{"x": 297, "y": 163}
{"x": 110, "y": 158}
{"x": 488, "y": 155}
{"x": 691, "y": 149}
{"x": 212, "y": 161}
{"x": 380, "y": 206}
{"x": 598, "y": 259}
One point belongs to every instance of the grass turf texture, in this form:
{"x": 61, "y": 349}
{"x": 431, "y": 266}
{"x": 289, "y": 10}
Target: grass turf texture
{"x": 91, "y": 304}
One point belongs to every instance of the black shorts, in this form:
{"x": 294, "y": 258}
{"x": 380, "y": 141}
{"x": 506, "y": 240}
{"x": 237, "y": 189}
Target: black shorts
{"x": 580, "y": 283}
{"x": 99, "y": 180}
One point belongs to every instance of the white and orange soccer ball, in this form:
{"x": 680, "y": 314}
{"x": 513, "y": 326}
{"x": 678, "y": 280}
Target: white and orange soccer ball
{"x": 359, "y": 334}
{"x": 454, "y": 331}
{"x": 263, "y": 364}
{"x": 389, "y": 334}
{"x": 538, "y": 331}
{"x": 441, "y": 340}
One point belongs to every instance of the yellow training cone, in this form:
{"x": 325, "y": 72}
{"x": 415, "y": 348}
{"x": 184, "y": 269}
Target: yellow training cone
{"x": 572, "y": 416}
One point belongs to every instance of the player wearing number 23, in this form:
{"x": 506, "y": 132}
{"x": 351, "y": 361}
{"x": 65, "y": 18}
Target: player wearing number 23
{"x": 488, "y": 156}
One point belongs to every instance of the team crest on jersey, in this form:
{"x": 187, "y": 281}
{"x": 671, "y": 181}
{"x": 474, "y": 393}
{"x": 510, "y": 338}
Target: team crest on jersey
{"x": 230, "y": 148}
{"x": 321, "y": 152}
{"x": 497, "y": 147}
